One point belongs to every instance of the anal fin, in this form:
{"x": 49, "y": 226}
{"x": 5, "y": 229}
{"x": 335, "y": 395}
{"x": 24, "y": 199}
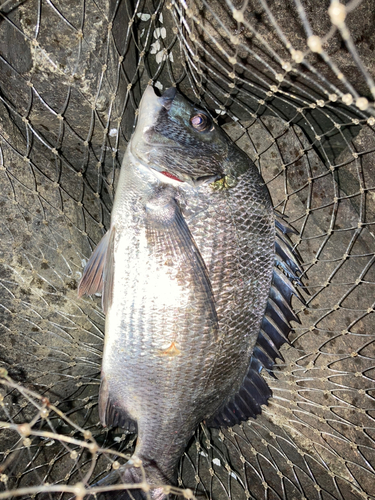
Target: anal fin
{"x": 254, "y": 392}
{"x": 111, "y": 413}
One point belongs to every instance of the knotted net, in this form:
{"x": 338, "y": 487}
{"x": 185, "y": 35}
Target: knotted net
{"x": 291, "y": 82}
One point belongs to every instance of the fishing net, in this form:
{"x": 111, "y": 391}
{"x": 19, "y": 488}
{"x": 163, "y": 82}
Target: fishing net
{"x": 291, "y": 82}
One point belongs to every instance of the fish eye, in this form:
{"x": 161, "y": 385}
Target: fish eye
{"x": 200, "y": 122}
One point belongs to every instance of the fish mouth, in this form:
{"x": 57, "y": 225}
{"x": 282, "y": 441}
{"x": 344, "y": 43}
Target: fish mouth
{"x": 166, "y": 101}
{"x": 149, "y": 108}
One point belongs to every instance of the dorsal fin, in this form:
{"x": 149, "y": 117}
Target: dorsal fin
{"x": 274, "y": 331}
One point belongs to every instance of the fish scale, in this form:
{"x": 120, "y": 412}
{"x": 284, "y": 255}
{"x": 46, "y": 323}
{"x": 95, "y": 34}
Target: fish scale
{"x": 186, "y": 271}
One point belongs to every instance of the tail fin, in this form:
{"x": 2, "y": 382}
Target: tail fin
{"x": 129, "y": 474}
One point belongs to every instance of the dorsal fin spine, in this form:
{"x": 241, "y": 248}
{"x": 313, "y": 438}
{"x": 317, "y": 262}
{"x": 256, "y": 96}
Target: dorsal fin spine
{"x": 274, "y": 331}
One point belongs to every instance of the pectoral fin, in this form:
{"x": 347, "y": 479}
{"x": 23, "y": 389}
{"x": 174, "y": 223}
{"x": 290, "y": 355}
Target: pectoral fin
{"x": 92, "y": 277}
{"x": 97, "y": 276}
{"x": 108, "y": 272}
{"x": 169, "y": 235}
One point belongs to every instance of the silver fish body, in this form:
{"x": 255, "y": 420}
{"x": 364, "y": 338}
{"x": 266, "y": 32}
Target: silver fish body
{"x": 186, "y": 271}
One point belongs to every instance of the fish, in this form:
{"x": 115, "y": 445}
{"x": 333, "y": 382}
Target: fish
{"x": 197, "y": 273}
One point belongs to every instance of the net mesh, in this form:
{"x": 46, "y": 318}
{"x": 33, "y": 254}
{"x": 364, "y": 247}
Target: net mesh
{"x": 291, "y": 82}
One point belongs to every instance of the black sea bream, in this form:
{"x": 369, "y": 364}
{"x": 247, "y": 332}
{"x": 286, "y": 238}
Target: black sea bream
{"x": 196, "y": 273}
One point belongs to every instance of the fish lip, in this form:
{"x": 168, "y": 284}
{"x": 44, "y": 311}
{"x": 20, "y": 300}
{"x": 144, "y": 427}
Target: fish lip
{"x": 151, "y": 104}
{"x": 149, "y": 109}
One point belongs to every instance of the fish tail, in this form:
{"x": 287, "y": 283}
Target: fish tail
{"x": 134, "y": 472}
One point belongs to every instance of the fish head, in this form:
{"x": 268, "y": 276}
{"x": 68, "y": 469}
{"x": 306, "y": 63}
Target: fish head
{"x": 179, "y": 141}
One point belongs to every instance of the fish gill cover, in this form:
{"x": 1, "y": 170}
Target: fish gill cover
{"x": 292, "y": 84}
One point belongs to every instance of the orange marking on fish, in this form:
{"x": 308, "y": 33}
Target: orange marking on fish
{"x": 172, "y": 350}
